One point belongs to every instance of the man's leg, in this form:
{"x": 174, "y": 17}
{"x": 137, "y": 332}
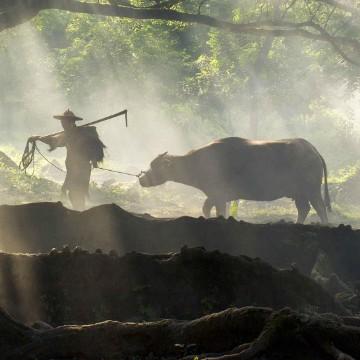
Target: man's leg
{"x": 77, "y": 200}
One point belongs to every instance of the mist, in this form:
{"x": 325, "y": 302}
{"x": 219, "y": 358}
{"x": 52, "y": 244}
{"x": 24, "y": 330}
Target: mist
{"x": 222, "y": 221}
{"x": 38, "y": 96}
{"x": 322, "y": 110}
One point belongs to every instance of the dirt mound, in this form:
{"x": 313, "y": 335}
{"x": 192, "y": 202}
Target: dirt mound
{"x": 236, "y": 334}
{"x": 38, "y": 227}
{"x": 77, "y": 287}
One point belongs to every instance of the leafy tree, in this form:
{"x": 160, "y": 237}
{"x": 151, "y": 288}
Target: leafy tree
{"x": 258, "y": 68}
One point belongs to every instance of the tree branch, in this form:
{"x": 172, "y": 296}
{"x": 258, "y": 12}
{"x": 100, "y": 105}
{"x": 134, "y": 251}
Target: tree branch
{"x": 343, "y": 6}
{"x": 31, "y": 8}
{"x": 201, "y": 3}
{"x": 335, "y": 44}
{"x": 167, "y": 3}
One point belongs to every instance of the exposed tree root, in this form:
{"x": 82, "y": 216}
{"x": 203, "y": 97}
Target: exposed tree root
{"x": 251, "y": 333}
{"x": 323, "y": 335}
{"x": 334, "y": 352}
{"x": 217, "y": 333}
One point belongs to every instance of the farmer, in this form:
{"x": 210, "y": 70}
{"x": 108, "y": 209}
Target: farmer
{"x": 84, "y": 151}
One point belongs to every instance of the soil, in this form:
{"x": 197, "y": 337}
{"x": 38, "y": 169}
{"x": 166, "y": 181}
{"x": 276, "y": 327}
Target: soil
{"x": 257, "y": 275}
{"x": 39, "y": 227}
{"x": 77, "y": 287}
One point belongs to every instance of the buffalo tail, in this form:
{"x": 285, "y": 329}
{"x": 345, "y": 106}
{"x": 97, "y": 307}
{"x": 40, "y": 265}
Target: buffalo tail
{"x": 326, "y": 188}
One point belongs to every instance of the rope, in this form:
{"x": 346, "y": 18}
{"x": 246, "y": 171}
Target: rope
{"x": 29, "y": 157}
{"x": 46, "y": 159}
{"x": 121, "y": 172}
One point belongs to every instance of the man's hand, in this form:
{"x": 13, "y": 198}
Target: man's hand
{"x": 34, "y": 138}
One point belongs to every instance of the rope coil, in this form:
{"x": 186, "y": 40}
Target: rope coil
{"x": 28, "y": 156}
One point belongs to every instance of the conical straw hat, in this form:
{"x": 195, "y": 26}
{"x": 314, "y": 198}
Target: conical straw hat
{"x": 67, "y": 115}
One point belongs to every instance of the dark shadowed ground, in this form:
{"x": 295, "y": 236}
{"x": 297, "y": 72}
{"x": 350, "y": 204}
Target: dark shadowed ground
{"x": 106, "y": 272}
{"x": 39, "y": 227}
{"x": 77, "y": 287}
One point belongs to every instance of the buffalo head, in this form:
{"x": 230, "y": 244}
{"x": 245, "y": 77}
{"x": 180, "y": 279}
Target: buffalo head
{"x": 159, "y": 172}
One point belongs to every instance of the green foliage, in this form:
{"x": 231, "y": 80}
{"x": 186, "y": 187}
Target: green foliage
{"x": 16, "y": 187}
{"x": 345, "y": 174}
{"x": 201, "y": 74}
{"x": 233, "y": 209}
{"x": 210, "y": 83}
{"x": 172, "y": 200}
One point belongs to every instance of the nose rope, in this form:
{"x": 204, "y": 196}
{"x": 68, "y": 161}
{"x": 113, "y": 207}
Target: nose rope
{"x": 122, "y": 172}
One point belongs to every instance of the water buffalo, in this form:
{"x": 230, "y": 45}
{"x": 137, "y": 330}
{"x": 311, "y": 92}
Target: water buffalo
{"x": 235, "y": 168}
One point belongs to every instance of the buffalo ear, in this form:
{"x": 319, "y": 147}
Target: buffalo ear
{"x": 165, "y": 153}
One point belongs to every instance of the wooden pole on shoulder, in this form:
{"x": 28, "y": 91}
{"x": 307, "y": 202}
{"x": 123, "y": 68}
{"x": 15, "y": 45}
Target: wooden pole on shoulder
{"x": 123, "y": 112}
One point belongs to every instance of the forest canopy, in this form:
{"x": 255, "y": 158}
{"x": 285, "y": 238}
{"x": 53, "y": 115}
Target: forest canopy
{"x": 262, "y": 69}
{"x": 313, "y": 24}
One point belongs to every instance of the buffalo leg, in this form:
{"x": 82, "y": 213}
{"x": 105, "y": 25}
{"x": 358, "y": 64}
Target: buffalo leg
{"x": 318, "y": 203}
{"x": 303, "y": 208}
{"x": 221, "y": 209}
{"x": 208, "y": 205}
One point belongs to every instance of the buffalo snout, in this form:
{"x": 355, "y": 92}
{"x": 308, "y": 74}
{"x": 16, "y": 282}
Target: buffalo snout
{"x": 145, "y": 180}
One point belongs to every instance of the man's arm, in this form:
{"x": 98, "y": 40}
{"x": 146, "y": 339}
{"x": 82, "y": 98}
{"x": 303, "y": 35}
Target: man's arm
{"x": 54, "y": 141}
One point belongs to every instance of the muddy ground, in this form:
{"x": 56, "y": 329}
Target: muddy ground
{"x": 106, "y": 263}
{"x": 39, "y": 227}
{"x": 76, "y": 287}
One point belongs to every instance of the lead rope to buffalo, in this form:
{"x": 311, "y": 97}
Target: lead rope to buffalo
{"x": 47, "y": 160}
{"x": 29, "y": 157}
{"x": 121, "y": 172}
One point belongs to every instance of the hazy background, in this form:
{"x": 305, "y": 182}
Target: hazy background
{"x": 183, "y": 86}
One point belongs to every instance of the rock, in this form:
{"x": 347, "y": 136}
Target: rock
{"x": 79, "y": 251}
{"x": 113, "y": 253}
{"x": 66, "y": 250}
{"x": 53, "y": 252}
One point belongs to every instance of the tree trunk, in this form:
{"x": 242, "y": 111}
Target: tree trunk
{"x": 256, "y": 83}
